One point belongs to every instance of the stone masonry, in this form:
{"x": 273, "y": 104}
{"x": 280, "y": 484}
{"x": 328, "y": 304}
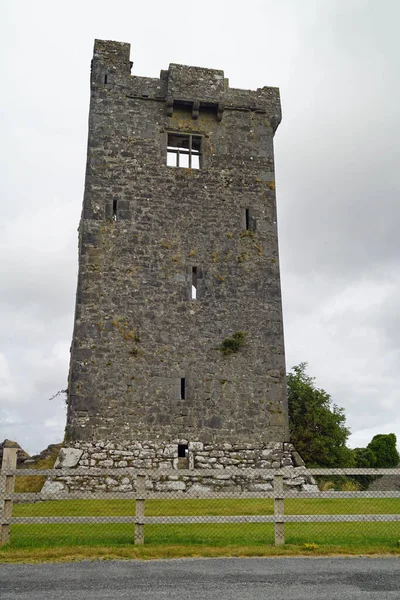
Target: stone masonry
{"x": 178, "y": 257}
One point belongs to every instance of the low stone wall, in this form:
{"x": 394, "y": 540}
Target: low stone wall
{"x": 163, "y": 455}
{"x": 156, "y": 456}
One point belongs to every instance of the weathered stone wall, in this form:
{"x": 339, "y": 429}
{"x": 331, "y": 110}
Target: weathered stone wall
{"x": 162, "y": 465}
{"x": 137, "y": 331}
{"x": 164, "y": 455}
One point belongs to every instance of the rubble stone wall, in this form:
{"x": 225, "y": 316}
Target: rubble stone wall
{"x": 161, "y": 464}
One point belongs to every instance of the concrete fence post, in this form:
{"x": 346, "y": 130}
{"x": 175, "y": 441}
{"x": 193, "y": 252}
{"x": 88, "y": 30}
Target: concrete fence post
{"x": 140, "y": 500}
{"x": 9, "y": 463}
{"x": 279, "y": 509}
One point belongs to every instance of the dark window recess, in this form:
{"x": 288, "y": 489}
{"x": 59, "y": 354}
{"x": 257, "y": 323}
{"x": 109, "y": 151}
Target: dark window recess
{"x": 183, "y": 388}
{"x": 114, "y": 211}
{"x": 105, "y": 78}
{"x": 184, "y": 150}
{"x": 247, "y": 218}
{"x": 183, "y": 450}
{"x": 194, "y": 283}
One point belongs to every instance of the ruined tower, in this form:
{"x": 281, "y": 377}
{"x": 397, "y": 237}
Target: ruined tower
{"x": 178, "y": 349}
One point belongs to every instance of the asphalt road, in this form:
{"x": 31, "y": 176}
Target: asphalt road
{"x": 206, "y": 579}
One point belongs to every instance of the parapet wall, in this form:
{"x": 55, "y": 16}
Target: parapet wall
{"x": 111, "y": 66}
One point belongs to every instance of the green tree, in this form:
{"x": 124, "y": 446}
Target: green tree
{"x": 383, "y": 446}
{"x": 364, "y": 458}
{"x": 317, "y": 426}
{"x": 380, "y": 453}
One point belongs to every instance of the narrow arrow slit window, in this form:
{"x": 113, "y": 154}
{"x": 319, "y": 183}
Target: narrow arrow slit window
{"x": 194, "y": 283}
{"x": 247, "y": 217}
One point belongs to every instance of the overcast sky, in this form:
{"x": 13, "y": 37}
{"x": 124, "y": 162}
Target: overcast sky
{"x": 337, "y": 164}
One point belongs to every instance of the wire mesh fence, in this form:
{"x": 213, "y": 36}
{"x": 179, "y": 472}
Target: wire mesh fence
{"x": 313, "y": 508}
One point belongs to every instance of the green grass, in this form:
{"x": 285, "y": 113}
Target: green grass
{"x": 183, "y": 507}
{"x": 227, "y": 539}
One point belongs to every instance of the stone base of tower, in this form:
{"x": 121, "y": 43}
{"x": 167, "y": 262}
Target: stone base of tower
{"x": 163, "y": 461}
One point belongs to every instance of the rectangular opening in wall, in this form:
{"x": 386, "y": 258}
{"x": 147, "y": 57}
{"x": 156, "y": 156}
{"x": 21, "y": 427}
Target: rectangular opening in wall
{"x": 183, "y": 150}
{"x": 105, "y": 78}
{"x": 183, "y": 450}
{"x": 183, "y": 388}
{"x": 194, "y": 283}
{"x": 114, "y": 215}
{"x": 247, "y": 218}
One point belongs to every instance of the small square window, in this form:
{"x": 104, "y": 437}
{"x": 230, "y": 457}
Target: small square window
{"x": 184, "y": 150}
{"x": 183, "y": 450}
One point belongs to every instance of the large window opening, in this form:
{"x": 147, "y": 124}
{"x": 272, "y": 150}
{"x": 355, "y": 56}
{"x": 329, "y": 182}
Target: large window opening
{"x": 184, "y": 150}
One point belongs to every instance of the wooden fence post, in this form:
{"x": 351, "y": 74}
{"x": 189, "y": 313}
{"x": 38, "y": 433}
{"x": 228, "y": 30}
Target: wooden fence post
{"x": 140, "y": 500}
{"x": 279, "y": 509}
{"x": 6, "y": 490}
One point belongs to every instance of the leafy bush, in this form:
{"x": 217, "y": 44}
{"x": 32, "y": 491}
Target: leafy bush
{"x": 364, "y": 458}
{"x": 325, "y": 486}
{"x": 350, "y": 486}
{"x": 383, "y": 446}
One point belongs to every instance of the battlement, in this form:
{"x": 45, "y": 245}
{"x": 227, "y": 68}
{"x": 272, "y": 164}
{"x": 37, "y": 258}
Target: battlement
{"x": 180, "y": 85}
{"x": 112, "y": 55}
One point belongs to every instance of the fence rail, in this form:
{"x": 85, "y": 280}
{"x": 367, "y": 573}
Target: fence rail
{"x": 8, "y": 497}
{"x": 85, "y": 471}
{"x": 38, "y": 496}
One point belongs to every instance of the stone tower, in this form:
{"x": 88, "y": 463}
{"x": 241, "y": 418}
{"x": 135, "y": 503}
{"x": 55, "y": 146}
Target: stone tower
{"x": 178, "y": 349}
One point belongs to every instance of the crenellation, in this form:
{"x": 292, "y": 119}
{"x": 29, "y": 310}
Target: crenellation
{"x": 180, "y": 86}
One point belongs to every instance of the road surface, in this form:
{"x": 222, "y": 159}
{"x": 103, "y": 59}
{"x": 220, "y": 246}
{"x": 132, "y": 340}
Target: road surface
{"x": 205, "y": 579}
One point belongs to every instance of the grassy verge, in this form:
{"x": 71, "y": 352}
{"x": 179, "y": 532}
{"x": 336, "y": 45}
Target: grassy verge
{"x": 73, "y": 541}
{"x": 78, "y": 553}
